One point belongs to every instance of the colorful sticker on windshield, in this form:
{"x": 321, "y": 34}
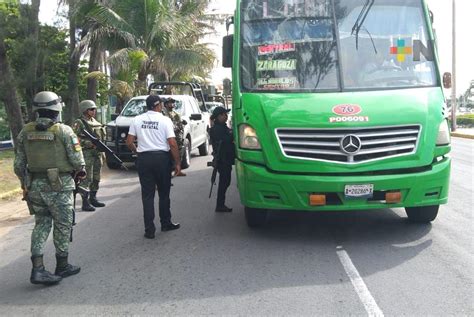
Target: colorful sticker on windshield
{"x": 277, "y": 83}
{"x": 401, "y": 49}
{"x": 276, "y": 64}
{"x": 276, "y": 48}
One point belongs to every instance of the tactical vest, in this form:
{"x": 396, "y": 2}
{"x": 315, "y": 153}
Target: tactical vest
{"x": 45, "y": 149}
{"x": 97, "y": 127}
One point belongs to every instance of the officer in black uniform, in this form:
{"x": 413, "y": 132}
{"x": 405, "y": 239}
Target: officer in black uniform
{"x": 222, "y": 141}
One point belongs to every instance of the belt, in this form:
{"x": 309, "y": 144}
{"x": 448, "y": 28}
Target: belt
{"x": 153, "y": 152}
{"x": 45, "y": 175}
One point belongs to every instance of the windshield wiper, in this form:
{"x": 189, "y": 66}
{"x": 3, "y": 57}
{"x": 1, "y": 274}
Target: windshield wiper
{"x": 361, "y": 19}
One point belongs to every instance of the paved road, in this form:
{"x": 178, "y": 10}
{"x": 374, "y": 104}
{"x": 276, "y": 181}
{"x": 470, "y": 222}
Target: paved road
{"x": 334, "y": 263}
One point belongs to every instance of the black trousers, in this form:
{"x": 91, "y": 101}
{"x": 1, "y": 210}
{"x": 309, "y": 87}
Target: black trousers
{"x": 225, "y": 172}
{"x": 154, "y": 172}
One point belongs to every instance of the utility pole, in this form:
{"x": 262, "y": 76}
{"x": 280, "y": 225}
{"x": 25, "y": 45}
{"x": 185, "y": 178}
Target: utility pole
{"x": 453, "y": 88}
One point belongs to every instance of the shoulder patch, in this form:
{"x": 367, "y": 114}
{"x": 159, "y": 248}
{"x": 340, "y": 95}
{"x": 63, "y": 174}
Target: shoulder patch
{"x": 76, "y": 144}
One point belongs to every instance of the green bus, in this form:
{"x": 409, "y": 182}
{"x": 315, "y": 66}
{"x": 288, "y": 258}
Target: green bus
{"x": 338, "y": 105}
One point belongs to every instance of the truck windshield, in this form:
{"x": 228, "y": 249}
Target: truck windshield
{"x": 136, "y": 107}
{"x": 310, "y": 45}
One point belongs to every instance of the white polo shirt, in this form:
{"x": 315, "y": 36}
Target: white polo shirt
{"x": 152, "y": 131}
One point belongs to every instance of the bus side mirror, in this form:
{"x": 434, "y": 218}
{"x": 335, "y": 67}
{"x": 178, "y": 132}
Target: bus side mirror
{"x": 227, "y": 50}
{"x": 447, "y": 83}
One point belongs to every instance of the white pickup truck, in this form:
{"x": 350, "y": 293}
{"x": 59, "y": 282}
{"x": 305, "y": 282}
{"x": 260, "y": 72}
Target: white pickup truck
{"x": 196, "y": 127}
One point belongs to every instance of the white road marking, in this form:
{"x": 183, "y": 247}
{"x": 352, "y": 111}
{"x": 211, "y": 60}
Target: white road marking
{"x": 361, "y": 289}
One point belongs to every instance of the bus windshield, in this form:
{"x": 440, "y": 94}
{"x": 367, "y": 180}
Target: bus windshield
{"x": 334, "y": 45}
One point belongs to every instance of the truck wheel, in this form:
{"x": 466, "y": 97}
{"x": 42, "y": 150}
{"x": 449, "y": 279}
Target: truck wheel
{"x": 204, "y": 148}
{"x": 255, "y": 217}
{"x": 186, "y": 157}
{"x": 424, "y": 214}
{"x": 113, "y": 165}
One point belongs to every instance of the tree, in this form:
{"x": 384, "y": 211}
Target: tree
{"x": 166, "y": 31}
{"x": 9, "y": 17}
{"x": 31, "y": 50}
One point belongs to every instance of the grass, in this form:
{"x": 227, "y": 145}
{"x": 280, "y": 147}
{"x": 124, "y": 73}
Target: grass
{"x": 8, "y": 180}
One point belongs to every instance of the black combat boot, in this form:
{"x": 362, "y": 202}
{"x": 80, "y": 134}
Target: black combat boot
{"x": 39, "y": 275}
{"x": 223, "y": 208}
{"x": 93, "y": 200}
{"x": 63, "y": 268}
{"x": 86, "y": 206}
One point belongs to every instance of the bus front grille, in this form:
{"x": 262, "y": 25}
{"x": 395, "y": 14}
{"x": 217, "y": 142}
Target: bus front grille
{"x": 349, "y": 145}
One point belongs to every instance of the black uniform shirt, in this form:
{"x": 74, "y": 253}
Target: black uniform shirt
{"x": 220, "y": 132}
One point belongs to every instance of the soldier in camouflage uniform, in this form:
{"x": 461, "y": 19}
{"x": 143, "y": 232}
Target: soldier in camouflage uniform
{"x": 92, "y": 156}
{"x": 168, "y": 111}
{"x": 48, "y": 154}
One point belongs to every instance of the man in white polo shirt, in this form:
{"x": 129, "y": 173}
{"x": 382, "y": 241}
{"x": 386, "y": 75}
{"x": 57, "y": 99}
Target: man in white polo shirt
{"x": 156, "y": 139}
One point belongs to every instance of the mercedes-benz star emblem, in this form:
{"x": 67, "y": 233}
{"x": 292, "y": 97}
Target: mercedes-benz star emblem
{"x": 350, "y": 144}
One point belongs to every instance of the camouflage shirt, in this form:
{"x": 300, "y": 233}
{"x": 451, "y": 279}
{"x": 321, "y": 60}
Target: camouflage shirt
{"x": 177, "y": 124}
{"x": 94, "y": 126}
{"x": 73, "y": 152}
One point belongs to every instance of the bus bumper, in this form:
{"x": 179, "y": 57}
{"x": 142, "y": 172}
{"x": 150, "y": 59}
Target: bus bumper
{"x": 260, "y": 188}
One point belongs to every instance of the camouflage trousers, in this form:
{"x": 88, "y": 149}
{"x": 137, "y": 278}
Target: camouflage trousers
{"x": 94, "y": 164}
{"x": 48, "y": 208}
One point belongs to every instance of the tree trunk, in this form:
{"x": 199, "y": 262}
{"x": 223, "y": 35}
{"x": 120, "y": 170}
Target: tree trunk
{"x": 32, "y": 67}
{"x": 8, "y": 94}
{"x": 140, "y": 86}
{"x": 73, "y": 85}
{"x": 94, "y": 63}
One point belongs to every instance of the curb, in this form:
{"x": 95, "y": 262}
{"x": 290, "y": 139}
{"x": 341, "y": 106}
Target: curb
{"x": 462, "y": 135}
{"x": 10, "y": 193}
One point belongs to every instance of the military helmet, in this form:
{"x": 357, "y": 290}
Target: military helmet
{"x": 86, "y": 104}
{"x": 47, "y": 100}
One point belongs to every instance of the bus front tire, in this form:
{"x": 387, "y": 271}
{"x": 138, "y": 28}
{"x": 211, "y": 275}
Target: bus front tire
{"x": 255, "y": 217}
{"x": 424, "y": 214}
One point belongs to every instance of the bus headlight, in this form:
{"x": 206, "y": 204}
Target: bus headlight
{"x": 444, "y": 135}
{"x": 248, "y": 138}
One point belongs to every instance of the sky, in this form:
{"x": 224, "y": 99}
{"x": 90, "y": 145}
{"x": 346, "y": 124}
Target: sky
{"x": 442, "y": 11}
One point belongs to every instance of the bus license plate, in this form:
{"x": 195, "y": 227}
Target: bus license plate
{"x": 359, "y": 191}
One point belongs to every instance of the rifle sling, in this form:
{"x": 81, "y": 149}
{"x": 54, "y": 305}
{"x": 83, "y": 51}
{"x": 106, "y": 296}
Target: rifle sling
{"x": 88, "y": 128}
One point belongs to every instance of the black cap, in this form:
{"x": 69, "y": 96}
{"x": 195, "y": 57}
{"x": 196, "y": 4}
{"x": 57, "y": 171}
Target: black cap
{"x": 217, "y": 111}
{"x": 152, "y": 101}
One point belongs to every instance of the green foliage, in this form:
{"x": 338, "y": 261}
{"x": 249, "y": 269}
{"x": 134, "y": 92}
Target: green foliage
{"x": 9, "y": 19}
{"x": 465, "y": 120}
{"x": 102, "y": 89}
{"x": 52, "y": 53}
{"x": 4, "y": 129}
{"x": 53, "y": 59}
{"x": 167, "y": 32}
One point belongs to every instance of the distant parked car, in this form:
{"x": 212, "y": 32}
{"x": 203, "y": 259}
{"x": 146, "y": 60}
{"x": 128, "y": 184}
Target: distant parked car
{"x": 8, "y": 144}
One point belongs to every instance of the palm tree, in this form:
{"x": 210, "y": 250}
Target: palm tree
{"x": 167, "y": 31}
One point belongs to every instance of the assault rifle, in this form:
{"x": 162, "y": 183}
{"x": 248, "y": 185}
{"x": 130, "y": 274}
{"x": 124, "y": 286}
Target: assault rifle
{"x": 77, "y": 176}
{"x": 213, "y": 163}
{"x": 25, "y": 184}
{"x": 102, "y": 147}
